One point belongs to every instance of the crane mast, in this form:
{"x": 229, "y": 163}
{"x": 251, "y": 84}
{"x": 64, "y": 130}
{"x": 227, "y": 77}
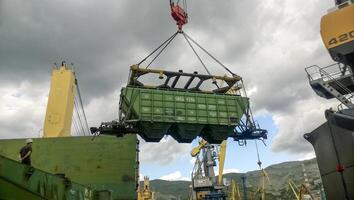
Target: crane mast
{"x": 60, "y": 106}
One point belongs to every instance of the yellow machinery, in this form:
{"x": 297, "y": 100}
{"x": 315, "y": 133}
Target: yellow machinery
{"x": 145, "y": 193}
{"x": 204, "y": 183}
{"x": 196, "y": 150}
{"x": 337, "y": 31}
{"x": 60, "y": 103}
{"x": 301, "y": 193}
{"x": 260, "y": 193}
{"x": 221, "y": 158}
{"x": 234, "y": 191}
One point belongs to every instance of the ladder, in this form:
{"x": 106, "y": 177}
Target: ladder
{"x": 333, "y": 81}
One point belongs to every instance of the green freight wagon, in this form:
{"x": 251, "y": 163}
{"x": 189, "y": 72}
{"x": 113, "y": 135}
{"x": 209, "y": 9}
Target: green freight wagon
{"x": 182, "y": 114}
{"x": 183, "y": 110}
{"x": 107, "y": 167}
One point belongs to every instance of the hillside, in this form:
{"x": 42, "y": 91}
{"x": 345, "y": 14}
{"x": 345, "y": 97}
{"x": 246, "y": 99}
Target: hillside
{"x": 279, "y": 174}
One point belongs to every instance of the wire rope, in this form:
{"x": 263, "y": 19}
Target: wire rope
{"x": 259, "y": 163}
{"x": 209, "y": 54}
{"x": 172, "y": 36}
{"x": 82, "y": 107}
{"x": 195, "y": 52}
{"x": 158, "y": 54}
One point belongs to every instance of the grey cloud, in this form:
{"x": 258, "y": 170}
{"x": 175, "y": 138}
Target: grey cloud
{"x": 22, "y": 110}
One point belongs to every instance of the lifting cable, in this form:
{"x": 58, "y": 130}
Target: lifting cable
{"x": 195, "y": 52}
{"x": 79, "y": 120}
{"x": 158, "y": 54}
{"x": 209, "y": 54}
{"x": 259, "y": 162}
{"x": 167, "y": 41}
{"x": 82, "y": 107}
{"x": 249, "y": 116}
{"x": 185, "y": 6}
{"x": 75, "y": 130}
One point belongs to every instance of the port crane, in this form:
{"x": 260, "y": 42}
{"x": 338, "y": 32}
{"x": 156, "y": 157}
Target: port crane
{"x": 204, "y": 182}
{"x": 300, "y": 193}
{"x": 333, "y": 141}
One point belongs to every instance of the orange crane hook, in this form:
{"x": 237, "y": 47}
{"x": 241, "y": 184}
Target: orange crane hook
{"x": 178, "y": 14}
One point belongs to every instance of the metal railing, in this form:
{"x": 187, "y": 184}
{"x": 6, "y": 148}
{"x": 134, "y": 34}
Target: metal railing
{"x": 331, "y": 73}
{"x": 327, "y": 73}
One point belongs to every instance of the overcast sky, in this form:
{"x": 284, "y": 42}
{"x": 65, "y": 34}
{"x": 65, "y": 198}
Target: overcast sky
{"x": 268, "y": 43}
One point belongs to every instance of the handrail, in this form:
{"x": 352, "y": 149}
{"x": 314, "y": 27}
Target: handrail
{"x": 326, "y": 76}
{"x": 340, "y": 85}
{"x": 341, "y": 71}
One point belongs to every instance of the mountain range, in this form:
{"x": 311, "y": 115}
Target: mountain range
{"x": 277, "y": 186}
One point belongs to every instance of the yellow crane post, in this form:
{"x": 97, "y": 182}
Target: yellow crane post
{"x": 261, "y": 190}
{"x": 235, "y": 191}
{"x": 222, "y": 155}
{"x": 294, "y": 189}
{"x": 60, "y": 105}
{"x": 299, "y": 192}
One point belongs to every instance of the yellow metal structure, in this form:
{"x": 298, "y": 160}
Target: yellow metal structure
{"x": 261, "y": 191}
{"x": 195, "y": 151}
{"x": 337, "y": 23}
{"x": 222, "y": 155}
{"x": 294, "y": 189}
{"x": 60, "y": 103}
{"x": 200, "y": 194}
{"x": 299, "y": 192}
{"x": 337, "y": 31}
{"x": 145, "y": 193}
{"x": 234, "y": 191}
